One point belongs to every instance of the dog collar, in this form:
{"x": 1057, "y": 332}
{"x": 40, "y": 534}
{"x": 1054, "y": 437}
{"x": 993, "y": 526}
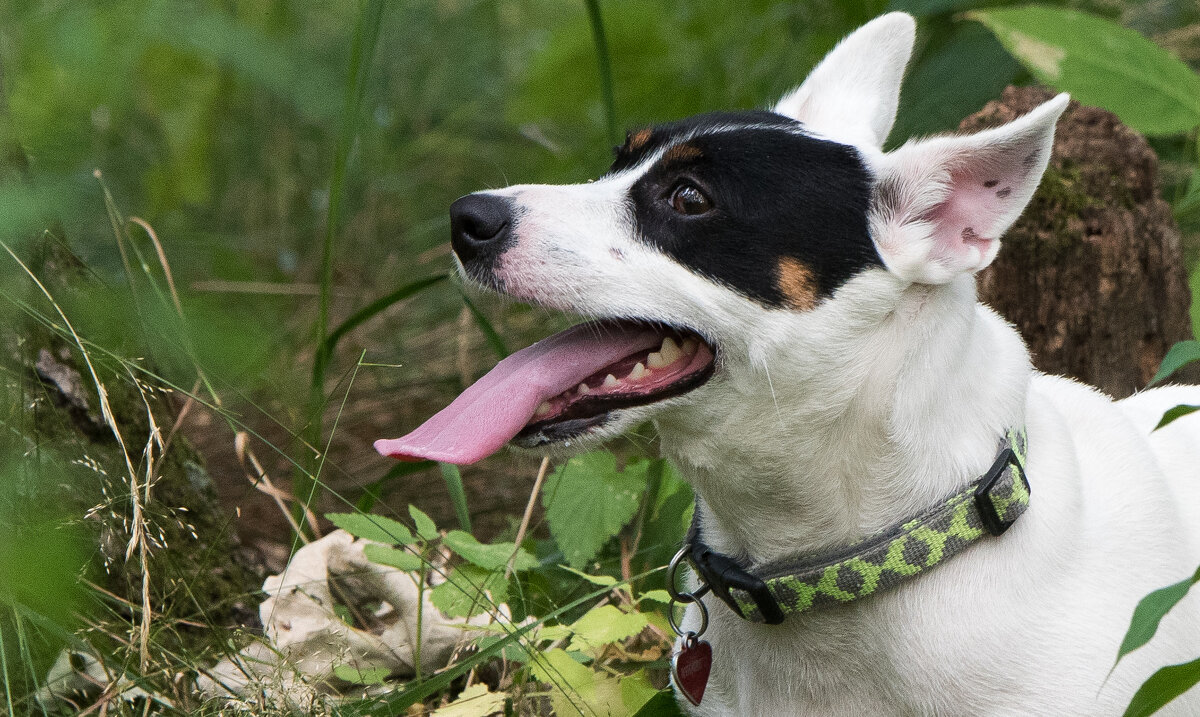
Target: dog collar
{"x": 777, "y": 589}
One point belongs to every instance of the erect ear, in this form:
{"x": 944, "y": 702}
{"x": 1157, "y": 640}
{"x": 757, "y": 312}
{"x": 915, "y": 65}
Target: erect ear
{"x": 939, "y": 205}
{"x": 851, "y": 97}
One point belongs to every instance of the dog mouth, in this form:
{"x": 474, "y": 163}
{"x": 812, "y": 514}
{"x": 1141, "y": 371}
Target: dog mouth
{"x": 561, "y": 388}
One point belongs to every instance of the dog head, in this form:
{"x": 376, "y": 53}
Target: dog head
{"x": 713, "y": 243}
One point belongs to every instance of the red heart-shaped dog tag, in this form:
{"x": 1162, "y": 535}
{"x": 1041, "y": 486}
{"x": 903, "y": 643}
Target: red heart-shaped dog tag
{"x": 690, "y": 667}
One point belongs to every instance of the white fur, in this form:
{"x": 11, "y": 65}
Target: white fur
{"x": 824, "y": 426}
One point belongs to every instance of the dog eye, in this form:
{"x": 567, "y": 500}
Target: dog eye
{"x": 687, "y": 199}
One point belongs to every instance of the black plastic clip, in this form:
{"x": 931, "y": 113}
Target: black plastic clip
{"x": 992, "y": 520}
{"x": 720, "y": 573}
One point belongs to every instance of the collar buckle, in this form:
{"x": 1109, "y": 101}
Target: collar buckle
{"x": 994, "y": 521}
{"x": 721, "y": 573}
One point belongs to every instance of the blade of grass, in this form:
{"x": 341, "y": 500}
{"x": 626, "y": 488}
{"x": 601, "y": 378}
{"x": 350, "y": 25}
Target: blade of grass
{"x": 458, "y": 497}
{"x": 362, "y": 49}
{"x": 325, "y": 350}
{"x": 605, "y": 66}
{"x": 489, "y": 331}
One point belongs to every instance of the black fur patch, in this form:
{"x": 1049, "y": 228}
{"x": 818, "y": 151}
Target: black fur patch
{"x": 776, "y": 193}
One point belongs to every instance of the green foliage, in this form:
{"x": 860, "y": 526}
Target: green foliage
{"x": 1163, "y": 686}
{"x": 1100, "y": 63}
{"x": 493, "y": 556}
{"x": 1150, "y": 611}
{"x": 588, "y": 500}
{"x": 1180, "y": 355}
{"x": 379, "y": 528}
{"x": 1177, "y": 412}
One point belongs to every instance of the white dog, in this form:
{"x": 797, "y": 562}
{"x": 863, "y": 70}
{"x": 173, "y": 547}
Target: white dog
{"x": 795, "y": 310}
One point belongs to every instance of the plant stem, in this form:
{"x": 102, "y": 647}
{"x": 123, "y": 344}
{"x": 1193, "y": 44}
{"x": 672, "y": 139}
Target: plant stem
{"x": 605, "y": 67}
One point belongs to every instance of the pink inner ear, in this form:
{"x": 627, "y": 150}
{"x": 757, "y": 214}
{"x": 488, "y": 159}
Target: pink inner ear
{"x": 980, "y": 199}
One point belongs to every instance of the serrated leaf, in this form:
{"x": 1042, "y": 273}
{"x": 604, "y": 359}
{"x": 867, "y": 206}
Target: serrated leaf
{"x": 636, "y": 691}
{"x": 478, "y": 700}
{"x": 363, "y": 676}
{"x": 426, "y": 528}
{"x": 1177, "y": 412}
{"x": 593, "y": 579}
{"x": 470, "y": 590}
{"x": 602, "y": 625}
{"x": 1162, "y": 687}
{"x": 1101, "y": 63}
{"x": 392, "y": 557}
{"x": 372, "y": 527}
{"x": 588, "y": 501}
{"x": 1150, "y": 611}
{"x": 1180, "y": 355}
{"x": 494, "y": 556}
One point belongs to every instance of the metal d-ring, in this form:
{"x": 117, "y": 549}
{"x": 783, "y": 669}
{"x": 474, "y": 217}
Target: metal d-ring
{"x": 685, "y": 598}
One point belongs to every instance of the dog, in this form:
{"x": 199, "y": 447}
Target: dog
{"x": 794, "y": 309}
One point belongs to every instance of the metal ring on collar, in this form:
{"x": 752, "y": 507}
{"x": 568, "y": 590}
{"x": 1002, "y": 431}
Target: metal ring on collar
{"x": 683, "y": 597}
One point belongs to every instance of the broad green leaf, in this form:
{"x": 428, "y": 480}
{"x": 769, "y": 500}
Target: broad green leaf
{"x": 1179, "y": 411}
{"x": 1162, "y": 687}
{"x": 490, "y": 557}
{"x": 1100, "y": 63}
{"x": 470, "y": 590}
{"x": 602, "y": 625}
{"x": 372, "y": 527}
{"x": 1180, "y": 355}
{"x": 399, "y": 559}
{"x": 1150, "y": 611}
{"x": 426, "y": 528}
{"x": 593, "y": 579}
{"x": 572, "y": 681}
{"x": 588, "y": 501}
{"x": 478, "y": 700}
{"x": 662, "y": 704}
{"x": 363, "y": 676}
{"x": 636, "y": 691}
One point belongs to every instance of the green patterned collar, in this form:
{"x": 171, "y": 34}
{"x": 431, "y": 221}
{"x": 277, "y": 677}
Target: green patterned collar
{"x": 988, "y": 506}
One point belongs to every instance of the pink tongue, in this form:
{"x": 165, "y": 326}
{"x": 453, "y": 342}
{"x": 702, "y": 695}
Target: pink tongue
{"x": 496, "y": 407}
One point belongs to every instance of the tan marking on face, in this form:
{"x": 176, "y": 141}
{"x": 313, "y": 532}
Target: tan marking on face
{"x": 638, "y": 139}
{"x": 796, "y": 283}
{"x": 681, "y": 152}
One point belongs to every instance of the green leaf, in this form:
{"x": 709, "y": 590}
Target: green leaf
{"x": 1180, "y": 355}
{"x": 372, "y": 527}
{"x": 659, "y": 596}
{"x": 399, "y": 559}
{"x": 588, "y": 501}
{"x": 1179, "y": 411}
{"x": 426, "y": 528}
{"x": 603, "y": 625}
{"x": 1100, "y": 63}
{"x": 662, "y": 704}
{"x": 1150, "y": 611}
{"x": 366, "y": 676}
{"x": 1162, "y": 687}
{"x": 489, "y": 557}
{"x": 475, "y": 701}
{"x": 470, "y": 590}
{"x": 489, "y": 332}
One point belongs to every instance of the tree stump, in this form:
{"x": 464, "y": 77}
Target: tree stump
{"x": 1092, "y": 274}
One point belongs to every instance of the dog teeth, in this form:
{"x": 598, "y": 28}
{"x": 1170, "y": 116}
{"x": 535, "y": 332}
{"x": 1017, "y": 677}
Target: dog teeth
{"x": 583, "y": 389}
{"x": 609, "y": 381}
{"x": 656, "y": 360}
{"x": 689, "y": 346}
{"x": 670, "y": 351}
{"x": 639, "y": 371}
{"x": 542, "y": 409}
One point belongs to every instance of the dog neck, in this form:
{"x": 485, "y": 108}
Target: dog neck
{"x": 849, "y": 418}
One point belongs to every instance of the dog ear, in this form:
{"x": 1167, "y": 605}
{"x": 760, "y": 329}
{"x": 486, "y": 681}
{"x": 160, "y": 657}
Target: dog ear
{"x": 939, "y": 205}
{"x": 851, "y": 96}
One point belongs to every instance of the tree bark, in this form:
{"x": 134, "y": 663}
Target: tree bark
{"x": 1092, "y": 274}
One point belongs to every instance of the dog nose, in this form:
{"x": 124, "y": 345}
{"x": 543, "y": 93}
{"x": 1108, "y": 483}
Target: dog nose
{"x": 479, "y": 224}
